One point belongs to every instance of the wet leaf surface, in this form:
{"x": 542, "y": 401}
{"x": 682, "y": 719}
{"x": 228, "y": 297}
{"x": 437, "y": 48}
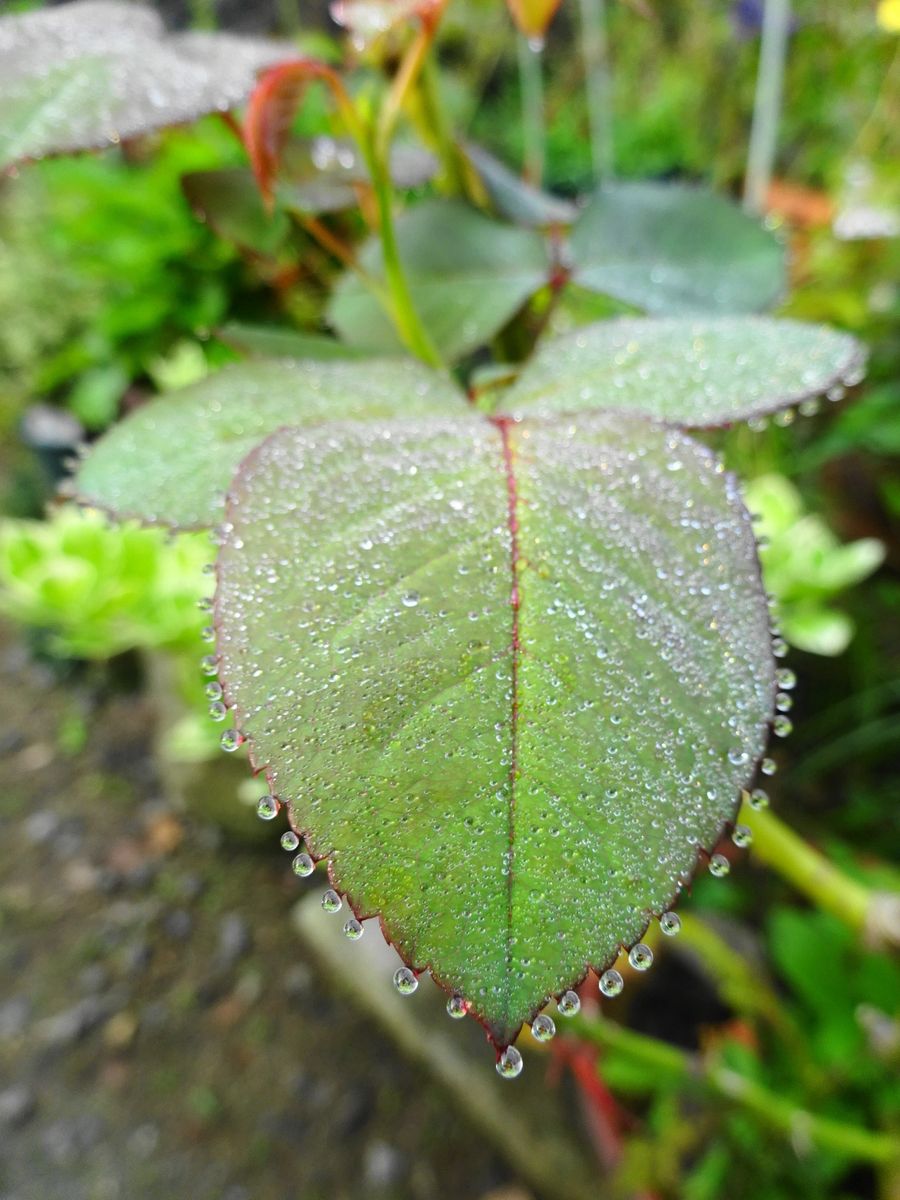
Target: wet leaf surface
{"x": 88, "y": 74}
{"x": 508, "y": 676}
{"x": 170, "y": 462}
{"x": 468, "y": 275}
{"x": 686, "y": 371}
{"x": 673, "y": 249}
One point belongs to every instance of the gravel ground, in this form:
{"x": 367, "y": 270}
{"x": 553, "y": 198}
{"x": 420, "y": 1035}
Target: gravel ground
{"x": 161, "y": 1035}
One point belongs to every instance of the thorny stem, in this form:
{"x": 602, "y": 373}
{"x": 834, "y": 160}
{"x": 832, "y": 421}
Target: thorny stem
{"x": 874, "y": 915}
{"x": 767, "y": 103}
{"x": 805, "y": 1130}
{"x": 533, "y": 125}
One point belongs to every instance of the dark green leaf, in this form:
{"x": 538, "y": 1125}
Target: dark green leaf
{"x": 229, "y": 201}
{"x": 686, "y": 371}
{"x": 468, "y": 276}
{"x": 509, "y": 678}
{"x": 670, "y": 248}
{"x": 170, "y": 462}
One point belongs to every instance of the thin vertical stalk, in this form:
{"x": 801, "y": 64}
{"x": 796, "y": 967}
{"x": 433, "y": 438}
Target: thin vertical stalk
{"x": 531, "y": 81}
{"x": 598, "y": 86}
{"x": 767, "y": 103}
{"x": 406, "y": 319}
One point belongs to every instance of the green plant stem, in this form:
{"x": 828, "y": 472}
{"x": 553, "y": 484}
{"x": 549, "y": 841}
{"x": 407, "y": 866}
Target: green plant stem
{"x": 436, "y": 118}
{"x": 806, "y": 869}
{"x": 767, "y": 103}
{"x": 531, "y": 81}
{"x": 376, "y": 150}
{"x": 598, "y": 86}
{"x": 803, "y": 1128}
{"x": 401, "y": 306}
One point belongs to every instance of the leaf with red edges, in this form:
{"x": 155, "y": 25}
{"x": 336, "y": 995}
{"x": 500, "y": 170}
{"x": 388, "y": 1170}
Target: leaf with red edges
{"x": 509, "y": 678}
{"x": 688, "y": 371}
{"x": 271, "y": 112}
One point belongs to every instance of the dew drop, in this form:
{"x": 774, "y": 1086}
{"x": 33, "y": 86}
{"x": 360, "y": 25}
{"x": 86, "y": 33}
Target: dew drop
{"x": 719, "y": 866}
{"x": 784, "y": 702}
{"x": 231, "y": 740}
{"x": 759, "y": 799}
{"x": 208, "y": 633}
{"x": 213, "y": 690}
{"x": 353, "y": 929}
{"x": 209, "y": 664}
{"x": 457, "y": 1008}
{"x": 289, "y": 840}
{"x": 641, "y": 957}
{"x": 742, "y": 835}
{"x": 779, "y": 647}
{"x": 268, "y": 808}
{"x": 303, "y": 865}
{"x": 785, "y": 678}
{"x": 509, "y": 1064}
{"x": 768, "y": 766}
{"x": 543, "y": 1028}
{"x": 782, "y": 726}
{"x": 569, "y": 1004}
{"x": 218, "y": 711}
{"x": 670, "y": 923}
{"x": 405, "y": 981}
{"x": 410, "y": 599}
{"x": 331, "y": 901}
{"x": 611, "y": 983}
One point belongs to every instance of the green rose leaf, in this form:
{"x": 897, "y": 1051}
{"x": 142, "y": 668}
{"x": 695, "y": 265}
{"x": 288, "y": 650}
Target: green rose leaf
{"x": 229, "y": 201}
{"x": 324, "y": 174}
{"x": 674, "y": 249}
{"x": 686, "y": 371}
{"x": 170, "y": 462}
{"x": 508, "y": 676}
{"x": 514, "y": 197}
{"x": 468, "y": 275}
{"x": 85, "y": 75}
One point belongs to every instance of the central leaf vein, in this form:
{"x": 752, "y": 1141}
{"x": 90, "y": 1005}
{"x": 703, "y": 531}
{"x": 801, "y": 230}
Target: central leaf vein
{"x": 514, "y": 598}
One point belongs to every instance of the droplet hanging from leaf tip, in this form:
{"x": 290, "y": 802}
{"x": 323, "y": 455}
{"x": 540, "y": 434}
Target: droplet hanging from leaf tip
{"x": 509, "y": 1064}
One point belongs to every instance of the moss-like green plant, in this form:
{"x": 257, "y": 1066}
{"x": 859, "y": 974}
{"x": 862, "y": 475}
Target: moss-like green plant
{"x": 805, "y": 566}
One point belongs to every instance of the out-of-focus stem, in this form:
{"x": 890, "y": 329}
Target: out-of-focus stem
{"x": 803, "y": 1128}
{"x": 776, "y": 25}
{"x": 598, "y": 86}
{"x": 874, "y": 915}
{"x": 531, "y": 81}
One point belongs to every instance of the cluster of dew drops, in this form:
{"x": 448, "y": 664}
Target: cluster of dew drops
{"x": 611, "y": 981}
